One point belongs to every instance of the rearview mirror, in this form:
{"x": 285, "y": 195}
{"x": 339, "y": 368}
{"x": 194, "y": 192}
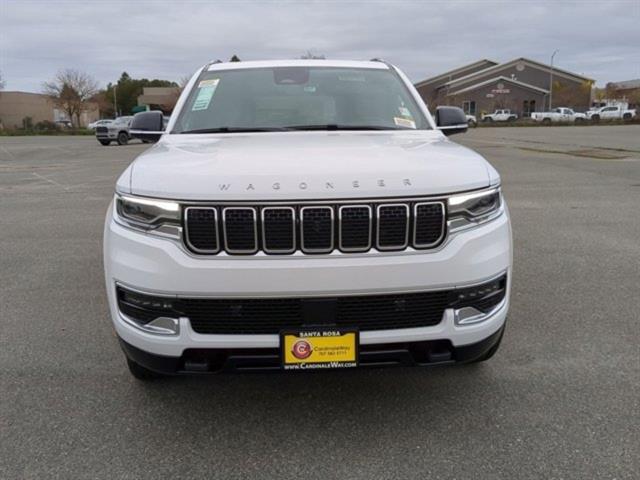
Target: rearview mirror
{"x": 451, "y": 120}
{"x": 147, "y": 126}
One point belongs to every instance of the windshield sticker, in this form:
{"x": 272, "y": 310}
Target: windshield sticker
{"x": 404, "y": 111}
{"x": 404, "y": 122}
{"x": 206, "y": 89}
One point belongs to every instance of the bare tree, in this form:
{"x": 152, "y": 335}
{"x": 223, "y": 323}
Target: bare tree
{"x": 71, "y": 90}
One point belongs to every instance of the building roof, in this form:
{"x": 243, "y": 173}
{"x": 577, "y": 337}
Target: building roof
{"x": 456, "y": 70}
{"x": 626, "y": 84}
{"x": 526, "y": 61}
{"x": 500, "y": 78}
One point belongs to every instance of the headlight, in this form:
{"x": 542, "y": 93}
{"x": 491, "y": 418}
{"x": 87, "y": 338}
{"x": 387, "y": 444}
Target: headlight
{"x": 161, "y": 217}
{"x": 474, "y": 208}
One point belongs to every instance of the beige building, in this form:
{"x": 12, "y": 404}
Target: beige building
{"x": 159, "y": 98}
{"x": 16, "y": 107}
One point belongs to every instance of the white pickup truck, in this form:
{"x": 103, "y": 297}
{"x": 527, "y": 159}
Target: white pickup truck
{"x": 560, "y": 114}
{"x": 611, "y": 113}
{"x": 500, "y": 116}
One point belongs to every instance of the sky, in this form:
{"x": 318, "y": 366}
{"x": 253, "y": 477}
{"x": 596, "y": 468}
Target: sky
{"x": 171, "y": 39}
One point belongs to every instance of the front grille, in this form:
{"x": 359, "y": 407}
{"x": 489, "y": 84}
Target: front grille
{"x": 272, "y": 315}
{"x": 314, "y": 229}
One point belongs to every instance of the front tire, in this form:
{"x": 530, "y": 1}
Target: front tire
{"x": 123, "y": 138}
{"x": 141, "y": 373}
{"x": 104, "y": 142}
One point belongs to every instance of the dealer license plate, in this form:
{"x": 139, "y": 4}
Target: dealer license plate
{"x": 321, "y": 348}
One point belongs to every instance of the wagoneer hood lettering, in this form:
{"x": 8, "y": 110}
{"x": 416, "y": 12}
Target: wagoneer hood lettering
{"x": 305, "y": 165}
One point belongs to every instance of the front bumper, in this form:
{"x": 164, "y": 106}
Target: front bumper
{"x": 110, "y": 135}
{"x": 155, "y": 265}
{"x": 408, "y": 354}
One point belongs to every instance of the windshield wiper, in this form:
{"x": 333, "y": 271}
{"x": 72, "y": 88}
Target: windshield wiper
{"x": 335, "y": 126}
{"x": 235, "y": 130}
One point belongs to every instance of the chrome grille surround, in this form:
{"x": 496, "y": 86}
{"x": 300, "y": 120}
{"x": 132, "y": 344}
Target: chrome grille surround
{"x": 341, "y": 245}
{"x": 216, "y": 236}
{"x": 228, "y": 212}
{"x": 400, "y": 246}
{"x": 264, "y": 232}
{"x": 307, "y": 249}
{"x": 326, "y": 217}
{"x": 443, "y": 230}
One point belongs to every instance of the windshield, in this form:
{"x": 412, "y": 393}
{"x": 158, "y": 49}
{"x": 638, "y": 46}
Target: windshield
{"x": 299, "y": 98}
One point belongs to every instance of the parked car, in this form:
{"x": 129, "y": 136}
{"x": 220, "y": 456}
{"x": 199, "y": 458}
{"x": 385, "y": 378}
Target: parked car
{"x": 99, "y": 123}
{"x": 560, "y": 114}
{"x": 472, "y": 121}
{"x": 611, "y": 113}
{"x": 503, "y": 115}
{"x": 64, "y": 124}
{"x": 269, "y": 230}
{"x": 117, "y": 131}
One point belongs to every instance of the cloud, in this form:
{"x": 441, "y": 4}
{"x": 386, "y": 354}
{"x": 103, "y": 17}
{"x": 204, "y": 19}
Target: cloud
{"x": 167, "y": 39}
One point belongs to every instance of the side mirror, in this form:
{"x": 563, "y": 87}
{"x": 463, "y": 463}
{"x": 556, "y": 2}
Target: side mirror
{"x": 147, "y": 126}
{"x": 451, "y": 120}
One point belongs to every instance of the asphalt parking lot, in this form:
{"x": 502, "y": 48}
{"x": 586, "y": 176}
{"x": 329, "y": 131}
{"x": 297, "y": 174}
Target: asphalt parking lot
{"x": 560, "y": 400}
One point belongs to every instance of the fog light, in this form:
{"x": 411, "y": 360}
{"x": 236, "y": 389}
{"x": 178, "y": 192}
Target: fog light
{"x": 153, "y": 314}
{"x": 163, "y": 325}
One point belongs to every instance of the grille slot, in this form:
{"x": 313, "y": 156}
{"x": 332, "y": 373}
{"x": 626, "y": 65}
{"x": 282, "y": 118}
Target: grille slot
{"x": 240, "y": 231}
{"x": 278, "y": 229}
{"x": 429, "y": 224}
{"x": 201, "y": 232}
{"x": 393, "y": 226}
{"x": 355, "y": 228}
{"x": 316, "y": 224}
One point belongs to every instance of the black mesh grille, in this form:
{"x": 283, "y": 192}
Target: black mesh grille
{"x": 102, "y": 130}
{"x": 202, "y": 229}
{"x": 393, "y": 226}
{"x": 429, "y": 219}
{"x": 240, "y": 229}
{"x": 242, "y": 316}
{"x": 278, "y": 226}
{"x": 317, "y": 228}
{"x": 355, "y": 228}
{"x": 270, "y": 316}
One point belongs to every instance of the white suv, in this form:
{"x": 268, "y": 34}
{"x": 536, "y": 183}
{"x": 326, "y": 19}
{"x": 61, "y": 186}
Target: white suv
{"x": 305, "y": 214}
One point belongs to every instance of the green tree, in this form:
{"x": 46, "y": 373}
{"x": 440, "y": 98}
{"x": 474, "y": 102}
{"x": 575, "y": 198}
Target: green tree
{"x": 1, "y": 81}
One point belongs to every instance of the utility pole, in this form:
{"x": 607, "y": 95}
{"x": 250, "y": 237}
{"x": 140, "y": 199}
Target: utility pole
{"x": 551, "y": 80}
{"x": 115, "y": 100}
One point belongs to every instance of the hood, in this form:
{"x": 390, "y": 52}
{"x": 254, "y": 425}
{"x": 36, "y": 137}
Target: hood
{"x": 306, "y": 165}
